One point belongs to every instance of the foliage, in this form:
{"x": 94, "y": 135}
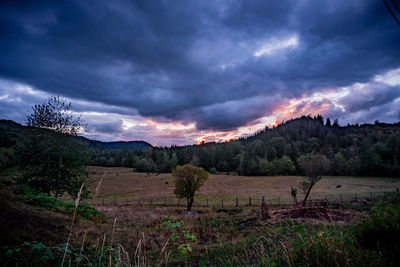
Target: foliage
{"x": 213, "y": 170}
{"x": 51, "y": 160}
{"x": 38, "y": 254}
{"x": 381, "y": 232}
{"x": 188, "y": 179}
{"x": 314, "y": 164}
{"x": 182, "y": 238}
{"x": 37, "y": 198}
{"x": 356, "y": 150}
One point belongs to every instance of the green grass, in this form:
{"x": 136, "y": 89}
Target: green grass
{"x": 39, "y": 199}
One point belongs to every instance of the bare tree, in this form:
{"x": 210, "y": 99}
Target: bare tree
{"x": 313, "y": 165}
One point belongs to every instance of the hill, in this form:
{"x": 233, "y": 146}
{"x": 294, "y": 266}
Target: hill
{"x": 12, "y": 133}
{"x": 121, "y": 145}
{"x": 366, "y": 150}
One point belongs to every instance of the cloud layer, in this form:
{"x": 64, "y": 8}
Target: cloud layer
{"x": 202, "y": 67}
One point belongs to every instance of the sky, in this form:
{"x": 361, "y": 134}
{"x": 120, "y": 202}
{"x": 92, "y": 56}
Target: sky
{"x": 181, "y": 72}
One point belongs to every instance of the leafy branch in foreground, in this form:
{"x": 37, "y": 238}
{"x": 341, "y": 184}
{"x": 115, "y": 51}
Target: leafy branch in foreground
{"x": 182, "y": 238}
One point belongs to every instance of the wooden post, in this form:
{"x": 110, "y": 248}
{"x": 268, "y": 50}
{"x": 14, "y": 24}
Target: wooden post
{"x": 237, "y": 202}
{"x": 264, "y": 210}
{"x": 250, "y": 201}
{"x": 279, "y": 201}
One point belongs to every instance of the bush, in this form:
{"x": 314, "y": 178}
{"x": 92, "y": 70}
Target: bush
{"x": 39, "y": 199}
{"x": 213, "y": 170}
{"x": 381, "y": 233}
{"x": 38, "y": 254}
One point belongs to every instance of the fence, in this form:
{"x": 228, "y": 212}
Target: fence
{"x": 228, "y": 201}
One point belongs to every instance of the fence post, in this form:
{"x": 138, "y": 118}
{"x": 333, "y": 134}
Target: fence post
{"x": 279, "y": 201}
{"x": 250, "y": 201}
{"x": 237, "y": 202}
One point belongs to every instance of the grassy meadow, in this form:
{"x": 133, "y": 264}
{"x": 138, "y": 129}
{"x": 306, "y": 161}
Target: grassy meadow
{"x": 129, "y": 234}
{"x": 122, "y": 183}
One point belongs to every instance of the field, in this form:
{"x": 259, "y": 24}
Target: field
{"x": 122, "y": 183}
{"x": 132, "y": 230}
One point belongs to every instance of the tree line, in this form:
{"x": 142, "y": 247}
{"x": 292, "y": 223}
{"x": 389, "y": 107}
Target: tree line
{"x": 354, "y": 150}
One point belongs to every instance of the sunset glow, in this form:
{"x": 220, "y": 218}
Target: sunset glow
{"x": 196, "y": 72}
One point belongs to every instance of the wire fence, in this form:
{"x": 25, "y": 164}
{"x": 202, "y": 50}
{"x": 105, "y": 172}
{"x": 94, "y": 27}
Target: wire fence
{"x": 229, "y": 201}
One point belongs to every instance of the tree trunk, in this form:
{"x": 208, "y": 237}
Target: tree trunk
{"x": 306, "y": 196}
{"x": 395, "y": 160}
{"x": 313, "y": 181}
{"x": 190, "y": 202}
{"x": 59, "y": 166}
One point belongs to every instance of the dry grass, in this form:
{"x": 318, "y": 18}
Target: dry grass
{"x": 123, "y": 183}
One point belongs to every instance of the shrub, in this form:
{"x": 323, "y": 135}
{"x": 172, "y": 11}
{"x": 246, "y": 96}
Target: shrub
{"x": 39, "y": 199}
{"x": 213, "y": 170}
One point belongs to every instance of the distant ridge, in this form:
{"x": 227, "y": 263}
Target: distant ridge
{"x": 11, "y": 132}
{"x": 121, "y": 145}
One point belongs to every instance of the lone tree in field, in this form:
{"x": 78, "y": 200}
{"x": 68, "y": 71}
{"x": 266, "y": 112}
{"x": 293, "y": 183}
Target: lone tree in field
{"x": 52, "y": 159}
{"x": 188, "y": 179}
{"x": 313, "y": 165}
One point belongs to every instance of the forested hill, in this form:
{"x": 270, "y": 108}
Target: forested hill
{"x": 368, "y": 149}
{"x": 12, "y": 133}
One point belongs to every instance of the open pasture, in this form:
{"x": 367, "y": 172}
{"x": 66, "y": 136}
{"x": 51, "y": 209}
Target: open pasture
{"x": 123, "y": 183}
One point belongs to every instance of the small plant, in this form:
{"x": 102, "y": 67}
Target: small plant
{"x": 182, "y": 238}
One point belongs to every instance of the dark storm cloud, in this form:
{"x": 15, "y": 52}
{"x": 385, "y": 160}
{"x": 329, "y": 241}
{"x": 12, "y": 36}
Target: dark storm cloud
{"x": 213, "y": 116}
{"x": 114, "y": 127}
{"x": 374, "y": 94}
{"x": 194, "y": 60}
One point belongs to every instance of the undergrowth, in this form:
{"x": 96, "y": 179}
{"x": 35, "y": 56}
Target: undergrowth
{"x": 372, "y": 242}
{"x": 40, "y": 199}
